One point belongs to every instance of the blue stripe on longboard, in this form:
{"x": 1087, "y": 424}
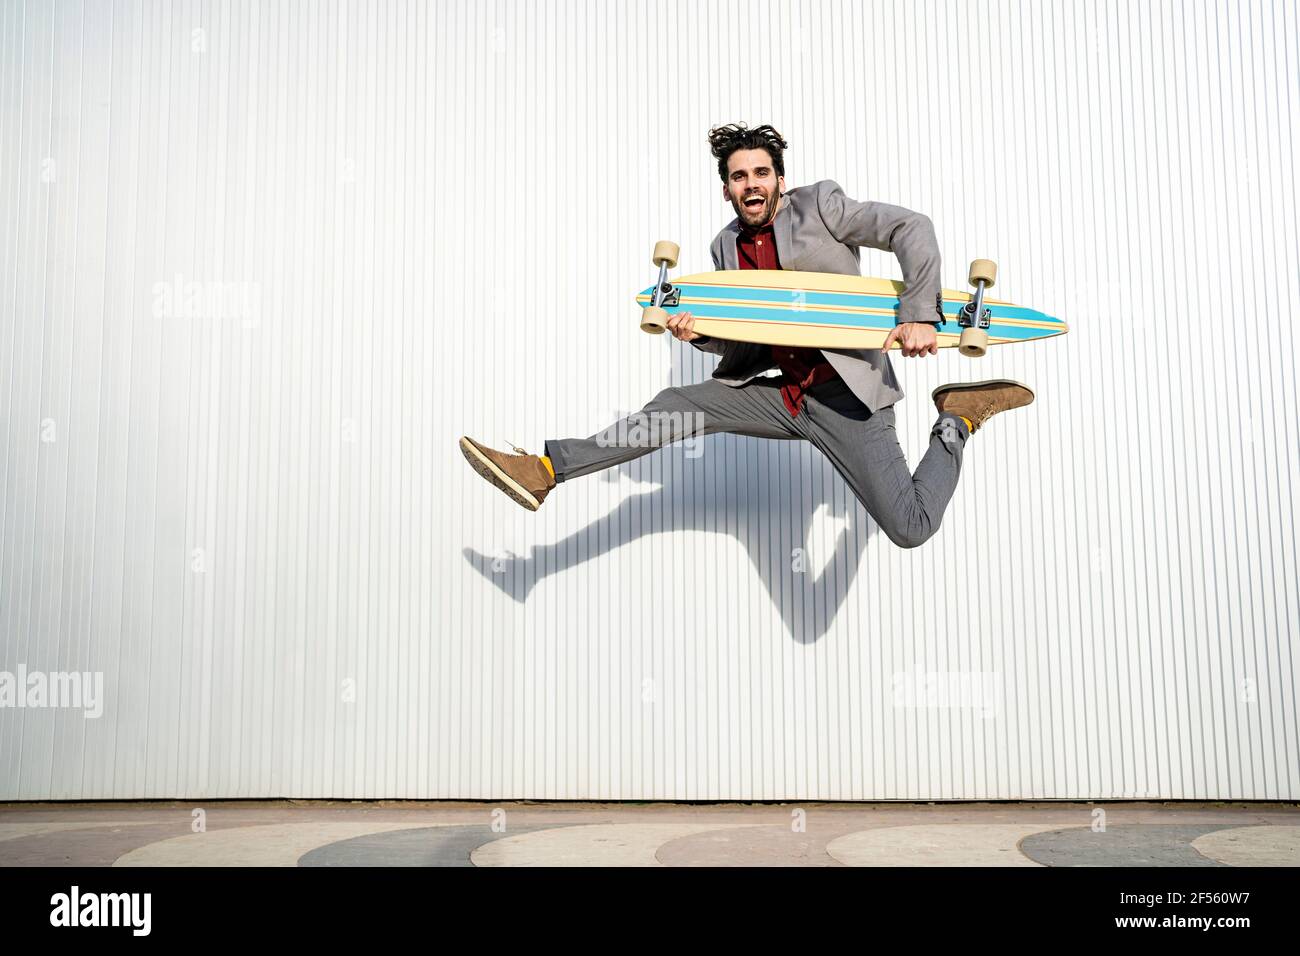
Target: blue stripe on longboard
{"x": 855, "y": 320}
{"x": 843, "y": 300}
{"x": 1013, "y": 312}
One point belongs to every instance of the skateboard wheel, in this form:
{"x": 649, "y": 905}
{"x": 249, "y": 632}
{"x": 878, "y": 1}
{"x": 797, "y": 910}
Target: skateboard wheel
{"x": 666, "y": 253}
{"x": 985, "y": 269}
{"x": 653, "y": 320}
{"x": 974, "y": 342}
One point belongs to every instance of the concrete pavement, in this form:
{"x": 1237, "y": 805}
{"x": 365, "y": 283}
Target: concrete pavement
{"x": 402, "y": 833}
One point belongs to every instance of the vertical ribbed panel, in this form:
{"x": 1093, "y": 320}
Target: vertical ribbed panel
{"x": 390, "y": 224}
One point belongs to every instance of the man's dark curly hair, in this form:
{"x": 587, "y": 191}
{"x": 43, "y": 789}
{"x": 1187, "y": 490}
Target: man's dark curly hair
{"x": 725, "y": 140}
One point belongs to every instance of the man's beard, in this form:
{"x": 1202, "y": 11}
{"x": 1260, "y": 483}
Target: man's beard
{"x": 765, "y": 212}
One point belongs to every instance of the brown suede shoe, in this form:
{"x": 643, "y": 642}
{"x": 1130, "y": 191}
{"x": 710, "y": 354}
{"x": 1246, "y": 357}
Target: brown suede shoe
{"x": 523, "y": 476}
{"x": 980, "y": 401}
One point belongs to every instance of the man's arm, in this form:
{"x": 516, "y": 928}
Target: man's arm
{"x": 704, "y": 343}
{"x": 908, "y": 235}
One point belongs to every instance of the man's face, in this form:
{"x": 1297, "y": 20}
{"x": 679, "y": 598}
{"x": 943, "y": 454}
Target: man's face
{"x": 753, "y": 187}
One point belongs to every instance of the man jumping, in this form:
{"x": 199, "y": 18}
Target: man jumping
{"x": 841, "y": 400}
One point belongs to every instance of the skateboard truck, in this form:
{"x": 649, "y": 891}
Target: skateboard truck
{"x": 666, "y": 294}
{"x": 653, "y": 317}
{"x": 974, "y": 318}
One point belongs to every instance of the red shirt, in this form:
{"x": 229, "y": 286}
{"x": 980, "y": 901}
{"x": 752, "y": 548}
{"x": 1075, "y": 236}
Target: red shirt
{"x": 801, "y": 368}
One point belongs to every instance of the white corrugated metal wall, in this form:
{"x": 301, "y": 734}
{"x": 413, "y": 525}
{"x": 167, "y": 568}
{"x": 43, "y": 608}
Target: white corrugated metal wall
{"x": 264, "y": 263}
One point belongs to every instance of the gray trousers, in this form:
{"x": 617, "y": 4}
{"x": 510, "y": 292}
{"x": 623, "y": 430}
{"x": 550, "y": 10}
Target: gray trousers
{"x": 861, "y": 446}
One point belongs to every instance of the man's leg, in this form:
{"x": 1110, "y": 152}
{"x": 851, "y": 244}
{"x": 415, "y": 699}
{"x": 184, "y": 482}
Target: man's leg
{"x": 676, "y": 413}
{"x": 864, "y": 449}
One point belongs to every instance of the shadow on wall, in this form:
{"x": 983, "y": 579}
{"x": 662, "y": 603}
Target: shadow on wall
{"x": 770, "y": 521}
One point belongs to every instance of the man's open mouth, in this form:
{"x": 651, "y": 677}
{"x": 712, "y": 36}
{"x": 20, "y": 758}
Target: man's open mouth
{"x": 754, "y": 203}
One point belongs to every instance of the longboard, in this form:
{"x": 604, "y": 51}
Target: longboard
{"x": 826, "y": 310}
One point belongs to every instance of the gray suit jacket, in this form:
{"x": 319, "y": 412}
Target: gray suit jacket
{"x": 819, "y": 229}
